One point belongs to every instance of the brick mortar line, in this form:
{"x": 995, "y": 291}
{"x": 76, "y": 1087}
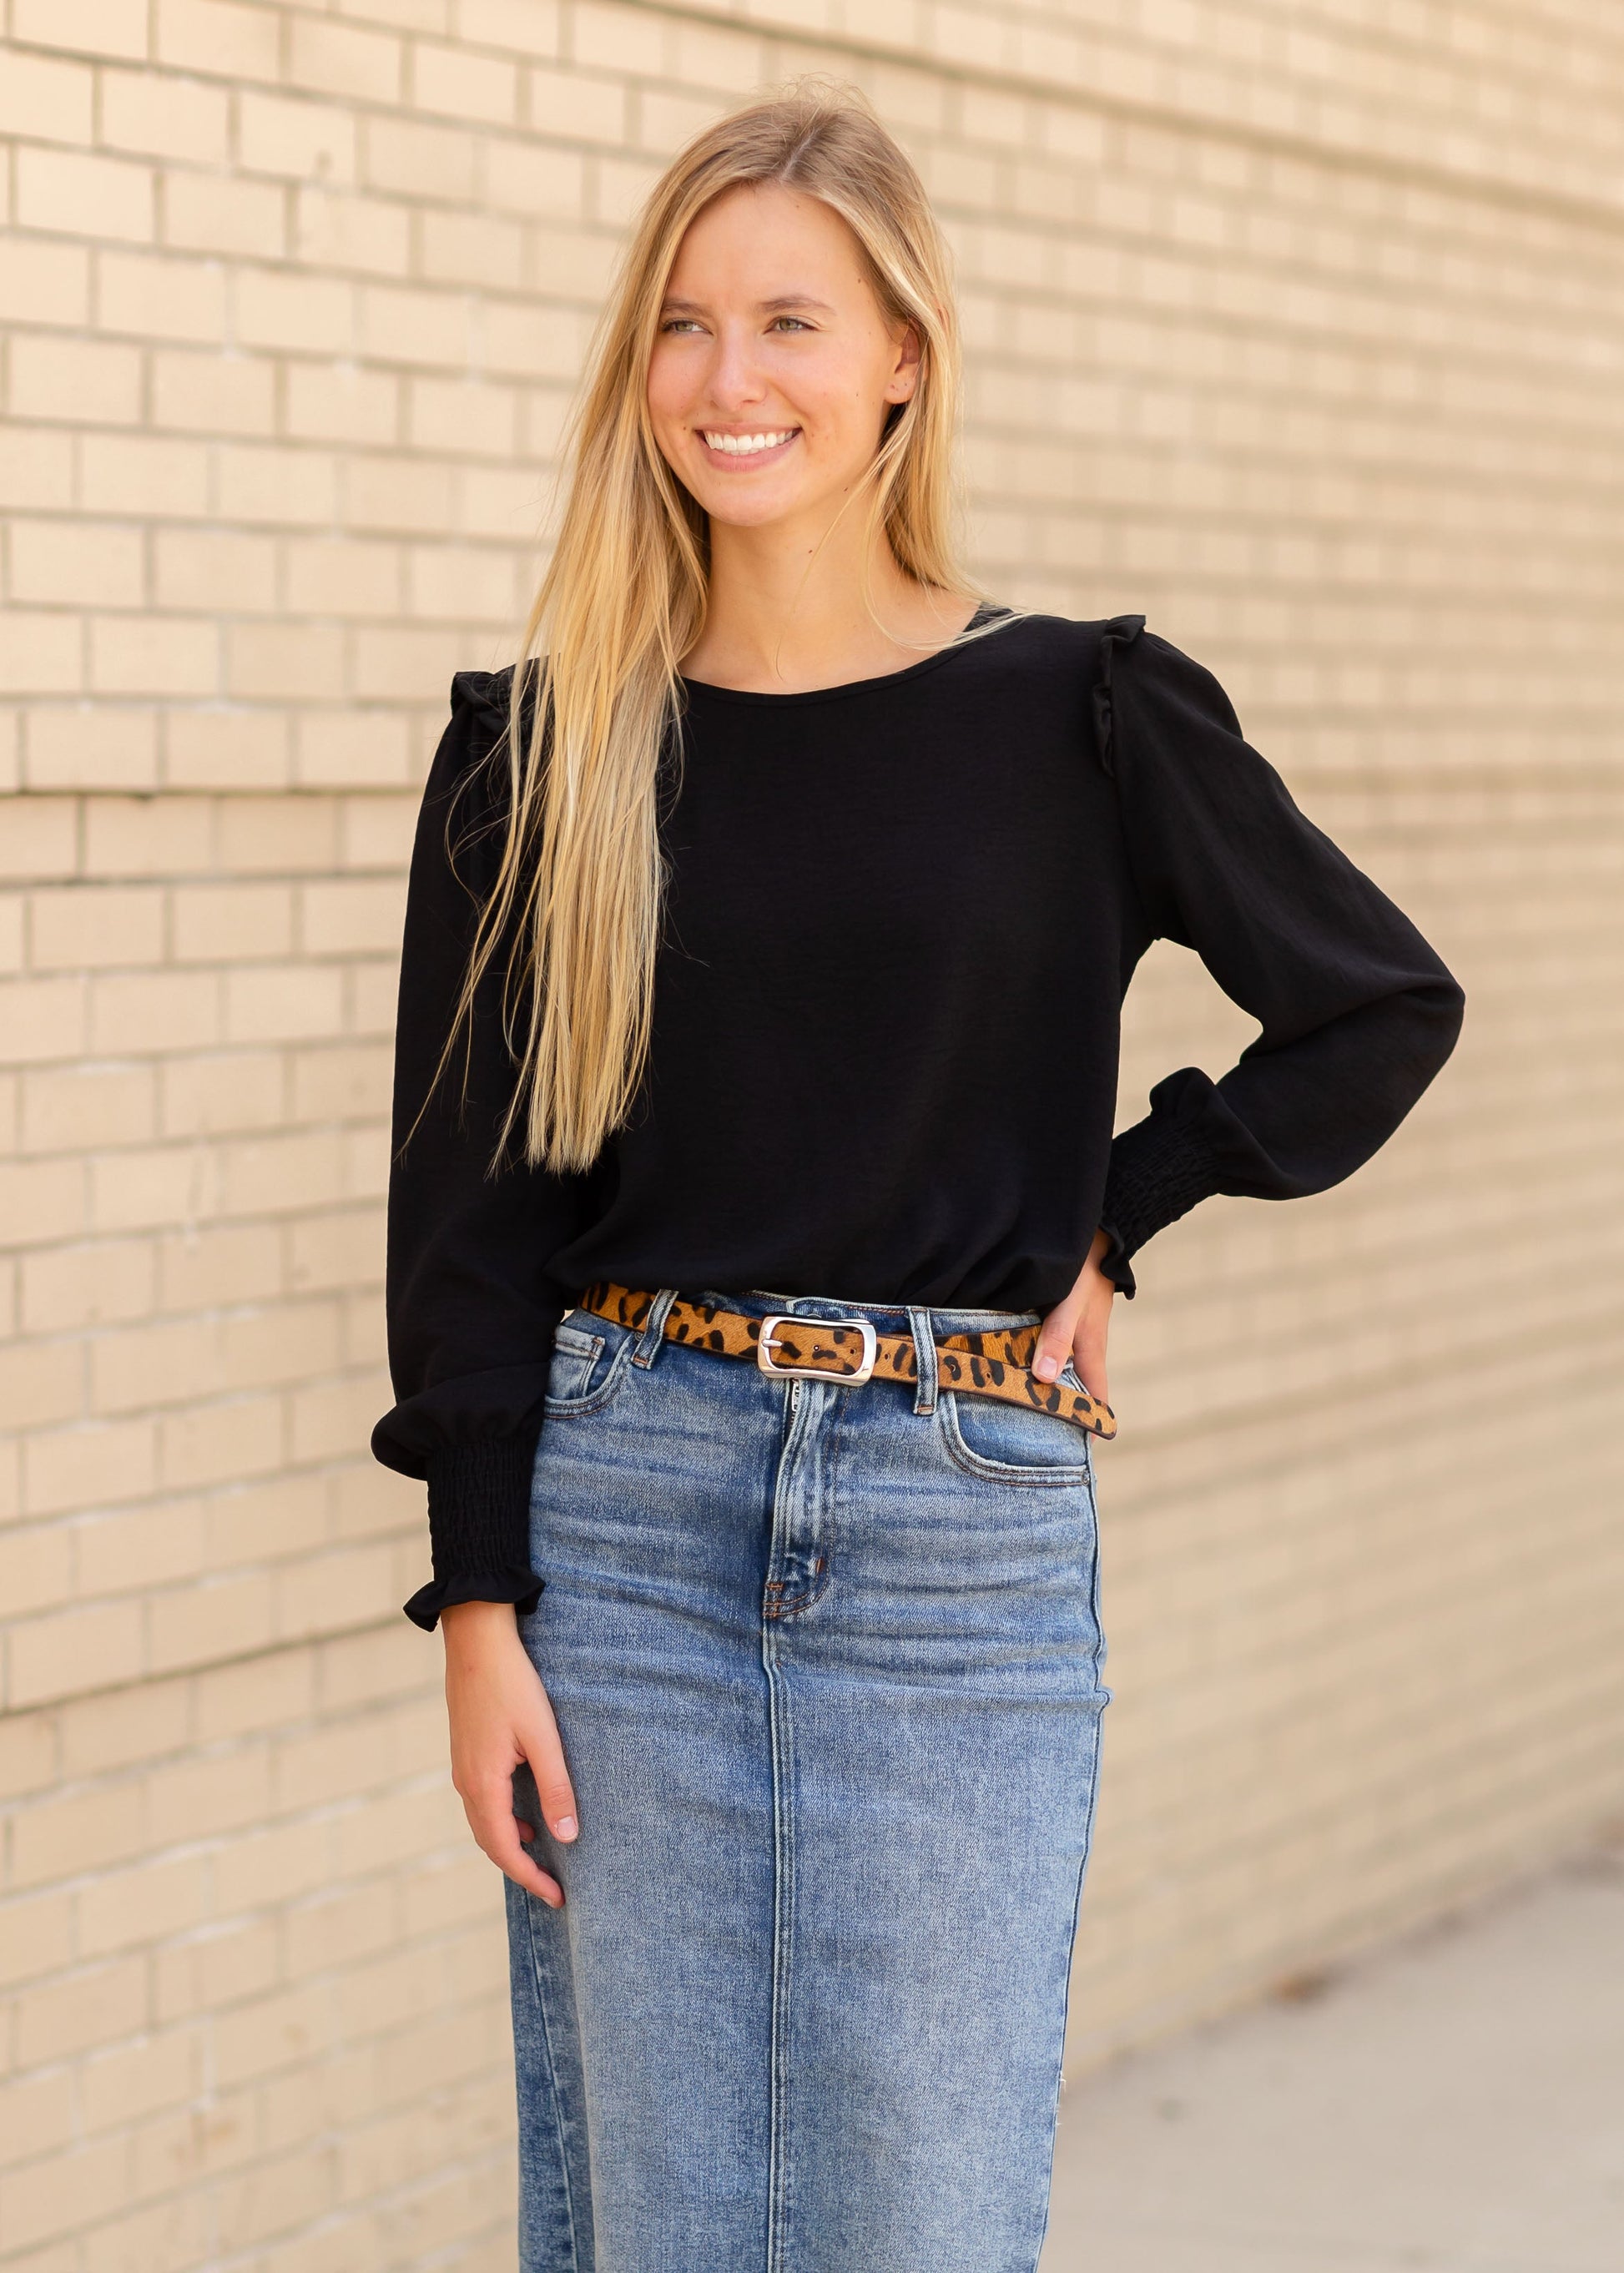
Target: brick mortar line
{"x": 1435, "y": 417}
{"x": 1334, "y": 31}
{"x": 1546, "y": 23}
{"x": 1317, "y": 1816}
{"x": 1469, "y": 70}
{"x": 337, "y": 1810}
{"x": 67, "y": 1699}
{"x": 612, "y": 234}
{"x": 1327, "y": 154}
{"x": 1275, "y": 140}
{"x": 1531, "y": 17}
{"x": 367, "y": 2211}
{"x": 1553, "y": 773}
{"x": 1423, "y": 351}
{"x": 1462, "y": 1358}
{"x": 1458, "y": 1362}
{"x": 591, "y": 227}
{"x": 1585, "y": 386}
{"x": 1429, "y": 477}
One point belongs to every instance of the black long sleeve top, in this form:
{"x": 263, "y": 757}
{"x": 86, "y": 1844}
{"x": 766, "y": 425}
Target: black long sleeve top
{"x": 901, "y": 916}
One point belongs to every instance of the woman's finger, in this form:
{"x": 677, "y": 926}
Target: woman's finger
{"x": 1088, "y": 1356}
{"x": 1055, "y": 1337}
{"x": 538, "y": 1738}
{"x": 496, "y": 1833}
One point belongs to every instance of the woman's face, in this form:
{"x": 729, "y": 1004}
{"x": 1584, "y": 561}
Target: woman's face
{"x": 774, "y": 366}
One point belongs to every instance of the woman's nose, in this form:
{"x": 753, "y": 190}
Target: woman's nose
{"x": 736, "y": 378}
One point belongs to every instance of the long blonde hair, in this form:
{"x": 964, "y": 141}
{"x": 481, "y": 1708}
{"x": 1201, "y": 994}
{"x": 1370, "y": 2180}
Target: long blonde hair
{"x": 596, "y": 686}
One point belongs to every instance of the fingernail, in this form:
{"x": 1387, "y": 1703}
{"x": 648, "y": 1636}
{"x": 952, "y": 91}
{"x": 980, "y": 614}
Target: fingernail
{"x": 565, "y": 1827}
{"x": 1047, "y": 1366}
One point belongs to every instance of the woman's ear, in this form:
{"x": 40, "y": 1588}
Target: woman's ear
{"x": 900, "y": 385}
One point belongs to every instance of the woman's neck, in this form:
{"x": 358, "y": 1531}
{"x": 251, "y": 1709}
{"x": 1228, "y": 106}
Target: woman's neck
{"x": 786, "y": 614}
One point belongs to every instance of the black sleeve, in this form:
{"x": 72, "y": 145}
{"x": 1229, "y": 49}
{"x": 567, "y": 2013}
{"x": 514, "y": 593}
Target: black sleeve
{"x": 470, "y": 1308}
{"x": 1357, "y": 1013}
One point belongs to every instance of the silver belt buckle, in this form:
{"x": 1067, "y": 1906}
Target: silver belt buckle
{"x": 766, "y": 1344}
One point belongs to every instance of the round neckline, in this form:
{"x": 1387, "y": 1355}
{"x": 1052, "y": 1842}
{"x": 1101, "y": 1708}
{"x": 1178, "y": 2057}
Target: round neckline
{"x": 846, "y": 686}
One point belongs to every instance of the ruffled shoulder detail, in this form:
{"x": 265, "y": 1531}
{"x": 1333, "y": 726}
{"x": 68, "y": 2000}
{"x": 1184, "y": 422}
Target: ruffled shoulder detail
{"x": 1117, "y": 631}
{"x": 481, "y": 690}
{"x": 477, "y": 732}
{"x": 491, "y": 690}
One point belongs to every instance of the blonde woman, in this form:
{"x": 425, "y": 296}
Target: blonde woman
{"x": 755, "y": 1225}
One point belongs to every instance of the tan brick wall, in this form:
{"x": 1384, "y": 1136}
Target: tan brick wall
{"x": 1299, "y": 327}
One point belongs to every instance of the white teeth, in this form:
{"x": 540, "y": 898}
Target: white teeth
{"x": 745, "y": 445}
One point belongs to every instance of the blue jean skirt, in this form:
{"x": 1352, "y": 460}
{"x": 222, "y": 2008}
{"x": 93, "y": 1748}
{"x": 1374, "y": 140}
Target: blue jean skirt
{"x": 825, "y": 1662}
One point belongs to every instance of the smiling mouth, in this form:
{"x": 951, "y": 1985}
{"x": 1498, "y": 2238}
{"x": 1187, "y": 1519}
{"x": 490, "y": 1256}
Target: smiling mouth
{"x": 747, "y": 445}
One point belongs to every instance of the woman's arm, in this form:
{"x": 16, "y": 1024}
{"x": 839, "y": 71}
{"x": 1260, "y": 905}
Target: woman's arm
{"x": 499, "y": 1714}
{"x": 1357, "y": 1012}
{"x": 1077, "y": 1327}
{"x": 469, "y": 1307}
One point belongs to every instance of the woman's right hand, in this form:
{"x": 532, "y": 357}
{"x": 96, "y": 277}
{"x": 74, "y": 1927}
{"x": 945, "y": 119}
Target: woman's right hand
{"x": 499, "y": 1716}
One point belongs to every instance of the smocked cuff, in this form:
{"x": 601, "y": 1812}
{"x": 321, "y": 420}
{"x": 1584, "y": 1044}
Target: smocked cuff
{"x": 479, "y": 1519}
{"x": 1160, "y": 1169}
{"x": 522, "y": 1588}
{"x": 1115, "y": 1263}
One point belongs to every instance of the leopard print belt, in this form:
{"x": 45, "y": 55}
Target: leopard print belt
{"x": 995, "y": 1363}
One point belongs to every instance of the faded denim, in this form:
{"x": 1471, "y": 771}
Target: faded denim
{"x": 826, "y": 1664}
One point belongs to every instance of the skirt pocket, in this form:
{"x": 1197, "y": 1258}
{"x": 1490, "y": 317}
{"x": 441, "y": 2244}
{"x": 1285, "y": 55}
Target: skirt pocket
{"x": 586, "y": 1369}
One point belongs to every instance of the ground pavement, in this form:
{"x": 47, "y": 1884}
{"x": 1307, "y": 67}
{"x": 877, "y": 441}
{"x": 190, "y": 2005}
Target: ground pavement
{"x": 1452, "y": 2105}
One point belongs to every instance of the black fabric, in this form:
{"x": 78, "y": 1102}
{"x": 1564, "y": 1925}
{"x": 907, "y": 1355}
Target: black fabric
{"x": 901, "y": 917}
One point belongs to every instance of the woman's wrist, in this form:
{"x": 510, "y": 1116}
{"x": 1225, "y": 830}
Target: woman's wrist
{"x": 469, "y": 1626}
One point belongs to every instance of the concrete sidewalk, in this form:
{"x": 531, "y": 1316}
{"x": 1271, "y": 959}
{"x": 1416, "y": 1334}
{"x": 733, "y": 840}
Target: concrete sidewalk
{"x": 1454, "y": 2102}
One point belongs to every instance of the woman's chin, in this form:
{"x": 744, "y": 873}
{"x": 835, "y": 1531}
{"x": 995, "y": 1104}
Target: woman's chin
{"x": 781, "y": 501}
{"x": 741, "y": 517}
{"x": 742, "y": 504}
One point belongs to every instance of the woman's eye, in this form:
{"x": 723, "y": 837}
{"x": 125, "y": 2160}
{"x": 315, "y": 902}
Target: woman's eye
{"x": 794, "y": 323}
{"x": 680, "y": 324}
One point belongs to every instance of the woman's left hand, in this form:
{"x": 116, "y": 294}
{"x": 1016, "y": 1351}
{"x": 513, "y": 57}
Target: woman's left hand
{"x": 1076, "y": 1327}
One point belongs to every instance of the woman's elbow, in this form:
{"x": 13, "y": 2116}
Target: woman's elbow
{"x": 1436, "y": 1010}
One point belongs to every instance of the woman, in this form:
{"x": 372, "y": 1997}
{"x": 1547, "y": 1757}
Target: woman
{"x": 754, "y": 1229}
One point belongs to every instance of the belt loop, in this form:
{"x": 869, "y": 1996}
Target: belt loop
{"x": 925, "y": 1357}
{"x": 654, "y": 1328}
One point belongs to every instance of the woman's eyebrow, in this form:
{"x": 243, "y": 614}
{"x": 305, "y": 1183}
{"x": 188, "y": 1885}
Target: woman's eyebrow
{"x": 673, "y": 306}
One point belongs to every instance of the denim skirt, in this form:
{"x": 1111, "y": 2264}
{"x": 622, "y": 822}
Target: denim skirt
{"x": 825, "y": 1662}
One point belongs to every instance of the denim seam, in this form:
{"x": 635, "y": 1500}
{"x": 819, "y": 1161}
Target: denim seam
{"x": 802, "y": 1417}
{"x": 1101, "y": 1648}
{"x": 783, "y": 1940}
{"x": 1102, "y": 1700}
{"x": 568, "y": 1408}
{"x": 555, "y": 2095}
{"x": 921, "y": 1325}
{"x": 1000, "y": 1472}
{"x": 652, "y": 1338}
{"x": 1065, "y": 2009}
{"x": 824, "y": 1568}
{"x": 775, "y": 1611}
